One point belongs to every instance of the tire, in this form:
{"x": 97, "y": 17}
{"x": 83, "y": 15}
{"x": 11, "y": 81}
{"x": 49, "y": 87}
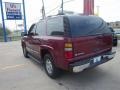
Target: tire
{"x": 25, "y": 53}
{"x": 51, "y": 70}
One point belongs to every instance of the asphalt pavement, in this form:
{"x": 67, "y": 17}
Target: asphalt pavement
{"x": 19, "y": 73}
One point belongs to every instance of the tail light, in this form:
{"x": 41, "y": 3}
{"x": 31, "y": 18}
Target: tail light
{"x": 68, "y": 50}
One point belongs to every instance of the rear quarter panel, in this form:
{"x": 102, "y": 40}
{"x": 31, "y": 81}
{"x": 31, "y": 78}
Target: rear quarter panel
{"x": 55, "y": 45}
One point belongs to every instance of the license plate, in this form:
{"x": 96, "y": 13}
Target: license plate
{"x": 97, "y": 59}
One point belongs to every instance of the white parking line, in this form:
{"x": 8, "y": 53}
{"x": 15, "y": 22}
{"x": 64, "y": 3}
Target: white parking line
{"x": 11, "y": 67}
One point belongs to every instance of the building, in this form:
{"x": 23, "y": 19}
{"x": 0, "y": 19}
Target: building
{"x": 114, "y": 24}
{"x": 16, "y": 33}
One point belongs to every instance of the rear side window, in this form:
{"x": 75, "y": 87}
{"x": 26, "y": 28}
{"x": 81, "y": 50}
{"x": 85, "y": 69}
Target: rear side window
{"x": 55, "y": 26}
{"x": 41, "y": 28}
{"x": 87, "y": 25}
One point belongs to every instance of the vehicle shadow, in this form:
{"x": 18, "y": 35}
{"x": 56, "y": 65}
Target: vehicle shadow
{"x": 37, "y": 63}
{"x": 81, "y": 81}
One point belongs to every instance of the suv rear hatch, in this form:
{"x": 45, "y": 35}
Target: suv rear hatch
{"x": 90, "y": 36}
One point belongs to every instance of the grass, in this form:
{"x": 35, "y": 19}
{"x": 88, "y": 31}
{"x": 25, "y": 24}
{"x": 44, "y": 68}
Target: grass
{"x": 14, "y": 38}
{"x": 1, "y": 39}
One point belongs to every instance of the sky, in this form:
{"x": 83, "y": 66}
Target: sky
{"x": 108, "y": 10}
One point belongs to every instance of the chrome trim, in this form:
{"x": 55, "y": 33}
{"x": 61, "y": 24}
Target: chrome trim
{"x": 109, "y": 56}
{"x": 78, "y": 54}
{"x": 77, "y": 69}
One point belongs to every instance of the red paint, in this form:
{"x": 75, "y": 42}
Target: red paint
{"x": 83, "y": 47}
{"x": 89, "y": 7}
{"x": 55, "y": 45}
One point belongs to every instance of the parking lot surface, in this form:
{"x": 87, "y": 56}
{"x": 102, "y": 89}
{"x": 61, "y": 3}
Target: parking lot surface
{"x": 19, "y": 73}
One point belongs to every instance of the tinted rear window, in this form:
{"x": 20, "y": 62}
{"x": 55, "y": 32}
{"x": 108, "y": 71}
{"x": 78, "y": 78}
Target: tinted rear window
{"x": 87, "y": 25}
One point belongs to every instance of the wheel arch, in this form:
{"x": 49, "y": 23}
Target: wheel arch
{"x": 45, "y": 51}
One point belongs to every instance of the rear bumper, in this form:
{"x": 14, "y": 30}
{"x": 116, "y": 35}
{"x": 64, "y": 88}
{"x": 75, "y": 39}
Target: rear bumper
{"x": 88, "y": 63}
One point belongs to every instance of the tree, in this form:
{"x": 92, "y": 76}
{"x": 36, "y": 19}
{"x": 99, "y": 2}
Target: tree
{"x": 7, "y": 31}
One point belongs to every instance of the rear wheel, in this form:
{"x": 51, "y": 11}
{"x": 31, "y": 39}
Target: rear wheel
{"x": 51, "y": 70}
{"x": 115, "y": 43}
{"x": 25, "y": 53}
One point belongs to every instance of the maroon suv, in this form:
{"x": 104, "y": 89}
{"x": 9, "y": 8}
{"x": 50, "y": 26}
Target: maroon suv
{"x": 69, "y": 42}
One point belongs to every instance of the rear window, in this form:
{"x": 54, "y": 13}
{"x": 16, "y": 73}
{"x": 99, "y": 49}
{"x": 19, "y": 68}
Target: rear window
{"x": 87, "y": 25}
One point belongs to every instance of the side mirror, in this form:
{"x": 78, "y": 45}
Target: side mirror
{"x": 23, "y": 34}
{"x": 31, "y": 34}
